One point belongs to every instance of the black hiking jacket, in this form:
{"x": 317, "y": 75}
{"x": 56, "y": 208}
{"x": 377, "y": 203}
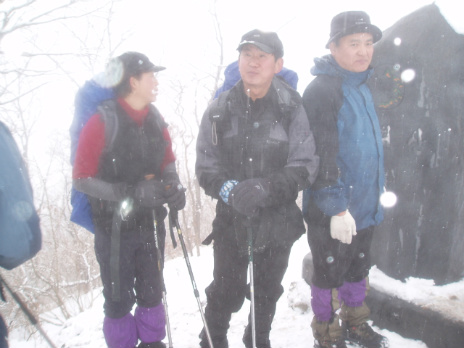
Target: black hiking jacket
{"x": 275, "y": 142}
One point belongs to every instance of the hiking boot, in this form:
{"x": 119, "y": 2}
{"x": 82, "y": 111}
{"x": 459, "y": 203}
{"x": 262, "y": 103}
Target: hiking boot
{"x": 328, "y": 334}
{"x": 218, "y": 341}
{"x": 327, "y": 343}
{"x": 262, "y": 340}
{"x": 151, "y": 345}
{"x": 365, "y": 336}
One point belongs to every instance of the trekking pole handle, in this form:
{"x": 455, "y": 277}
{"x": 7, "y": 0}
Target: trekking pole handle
{"x": 152, "y": 176}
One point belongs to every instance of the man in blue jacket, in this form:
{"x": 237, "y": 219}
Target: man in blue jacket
{"x": 343, "y": 205}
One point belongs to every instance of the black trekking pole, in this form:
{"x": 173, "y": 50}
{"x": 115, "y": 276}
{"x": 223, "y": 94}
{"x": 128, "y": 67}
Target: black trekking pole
{"x": 175, "y": 220}
{"x": 27, "y": 312}
{"x": 160, "y": 269}
{"x": 252, "y": 282}
{"x": 249, "y": 227}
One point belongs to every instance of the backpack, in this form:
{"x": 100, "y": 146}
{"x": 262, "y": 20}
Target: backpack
{"x": 20, "y": 234}
{"x": 90, "y": 99}
{"x": 232, "y": 76}
{"x": 87, "y": 100}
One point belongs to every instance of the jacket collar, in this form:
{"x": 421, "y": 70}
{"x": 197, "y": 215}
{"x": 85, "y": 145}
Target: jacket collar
{"x": 280, "y": 94}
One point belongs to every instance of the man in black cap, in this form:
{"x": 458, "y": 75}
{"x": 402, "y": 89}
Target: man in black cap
{"x": 255, "y": 152}
{"x": 343, "y": 206}
{"x": 128, "y": 174}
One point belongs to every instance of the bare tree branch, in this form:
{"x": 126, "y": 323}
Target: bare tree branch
{"x": 37, "y": 20}
{"x": 17, "y": 97}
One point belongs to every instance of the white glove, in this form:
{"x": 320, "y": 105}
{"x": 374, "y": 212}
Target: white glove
{"x": 343, "y": 227}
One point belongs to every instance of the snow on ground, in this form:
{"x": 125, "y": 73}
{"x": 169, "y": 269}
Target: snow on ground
{"x": 291, "y": 327}
{"x": 447, "y": 299}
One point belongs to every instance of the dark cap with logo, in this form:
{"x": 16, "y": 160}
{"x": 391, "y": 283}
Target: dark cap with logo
{"x": 266, "y": 41}
{"x": 352, "y": 22}
{"x": 120, "y": 69}
{"x": 135, "y": 63}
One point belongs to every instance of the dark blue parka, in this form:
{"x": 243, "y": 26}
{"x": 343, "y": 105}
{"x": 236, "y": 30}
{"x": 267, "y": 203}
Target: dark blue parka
{"x": 348, "y": 139}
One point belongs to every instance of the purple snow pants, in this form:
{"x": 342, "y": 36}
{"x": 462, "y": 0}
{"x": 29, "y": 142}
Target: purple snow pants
{"x": 325, "y": 301}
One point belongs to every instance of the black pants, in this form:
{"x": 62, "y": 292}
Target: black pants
{"x": 138, "y": 276}
{"x": 335, "y": 262}
{"x": 229, "y": 288}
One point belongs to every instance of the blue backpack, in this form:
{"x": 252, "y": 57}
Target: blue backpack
{"x": 232, "y": 76}
{"x": 87, "y": 100}
{"x": 20, "y": 234}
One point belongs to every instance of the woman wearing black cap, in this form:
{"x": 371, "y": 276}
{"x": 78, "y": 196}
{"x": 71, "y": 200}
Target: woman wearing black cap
{"x": 128, "y": 175}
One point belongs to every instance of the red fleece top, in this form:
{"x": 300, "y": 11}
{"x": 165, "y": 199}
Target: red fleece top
{"x": 92, "y": 142}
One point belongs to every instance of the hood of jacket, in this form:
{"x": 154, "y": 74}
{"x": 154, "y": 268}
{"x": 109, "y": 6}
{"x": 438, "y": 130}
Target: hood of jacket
{"x": 327, "y": 65}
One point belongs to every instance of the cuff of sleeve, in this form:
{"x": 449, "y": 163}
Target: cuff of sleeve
{"x": 225, "y": 190}
{"x": 330, "y": 201}
{"x": 282, "y": 188}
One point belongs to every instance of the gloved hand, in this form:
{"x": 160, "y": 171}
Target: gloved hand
{"x": 249, "y": 195}
{"x": 150, "y": 193}
{"x": 343, "y": 227}
{"x": 175, "y": 196}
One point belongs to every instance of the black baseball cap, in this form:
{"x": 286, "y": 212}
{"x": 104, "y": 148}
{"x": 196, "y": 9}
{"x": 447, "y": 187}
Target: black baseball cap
{"x": 352, "y": 22}
{"x": 266, "y": 41}
{"x": 135, "y": 63}
{"x": 120, "y": 69}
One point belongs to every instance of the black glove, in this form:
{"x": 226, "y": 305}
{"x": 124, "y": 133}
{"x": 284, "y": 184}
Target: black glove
{"x": 175, "y": 196}
{"x": 150, "y": 193}
{"x": 250, "y": 195}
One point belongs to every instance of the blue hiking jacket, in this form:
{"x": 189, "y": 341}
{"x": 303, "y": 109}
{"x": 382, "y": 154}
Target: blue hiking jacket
{"x": 341, "y": 113}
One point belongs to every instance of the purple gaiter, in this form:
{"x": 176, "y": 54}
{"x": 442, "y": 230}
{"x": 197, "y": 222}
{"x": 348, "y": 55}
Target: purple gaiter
{"x": 321, "y": 303}
{"x": 353, "y": 294}
{"x": 120, "y": 332}
{"x": 151, "y": 323}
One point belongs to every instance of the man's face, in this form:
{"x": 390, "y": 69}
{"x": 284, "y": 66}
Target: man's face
{"x": 354, "y": 52}
{"x": 257, "y": 68}
{"x": 145, "y": 87}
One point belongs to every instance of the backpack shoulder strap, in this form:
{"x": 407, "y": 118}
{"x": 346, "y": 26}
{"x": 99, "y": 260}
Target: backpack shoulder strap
{"x": 158, "y": 118}
{"x": 108, "y": 111}
{"x": 219, "y": 115}
{"x": 288, "y": 100}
